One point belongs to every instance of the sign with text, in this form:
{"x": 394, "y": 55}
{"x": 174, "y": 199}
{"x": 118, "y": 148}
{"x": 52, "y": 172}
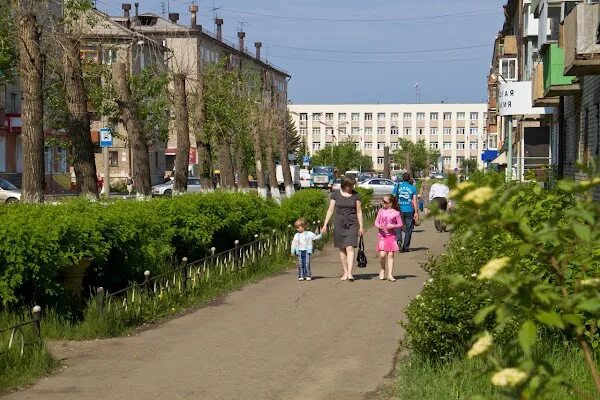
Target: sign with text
{"x": 106, "y": 139}
{"x": 514, "y": 98}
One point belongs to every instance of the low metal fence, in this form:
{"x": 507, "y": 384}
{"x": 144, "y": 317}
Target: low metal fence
{"x": 15, "y": 338}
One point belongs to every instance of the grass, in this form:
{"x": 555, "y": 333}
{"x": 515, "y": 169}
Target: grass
{"x": 418, "y": 379}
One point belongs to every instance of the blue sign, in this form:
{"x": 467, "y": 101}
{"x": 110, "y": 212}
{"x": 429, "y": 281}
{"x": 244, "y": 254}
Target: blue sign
{"x": 489, "y": 155}
{"x": 306, "y": 161}
{"x": 106, "y": 138}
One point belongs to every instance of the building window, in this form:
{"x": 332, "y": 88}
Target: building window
{"x": 328, "y": 131}
{"x": 113, "y": 158}
{"x": 394, "y": 117}
{"x": 447, "y": 145}
{"x": 368, "y": 116}
{"x": 447, "y": 160}
{"x": 329, "y": 117}
{"x": 447, "y": 116}
{"x": 380, "y": 145}
{"x": 394, "y": 131}
{"x": 474, "y": 131}
{"x": 434, "y": 145}
{"x": 316, "y": 146}
{"x": 459, "y": 161}
{"x": 342, "y": 116}
{"x": 508, "y": 69}
{"x": 407, "y": 116}
{"x": 433, "y": 131}
{"x": 13, "y": 103}
{"x": 303, "y": 117}
{"x": 493, "y": 141}
{"x": 473, "y": 145}
{"x": 447, "y": 131}
{"x": 357, "y": 145}
{"x": 368, "y": 131}
{"x": 407, "y": 131}
{"x": 317, "y": 131}
{"x": 433, "y": 116}
{"x": 316, "y": 116}
{"x": 380, "y": 160}
{"x": 381, "y": 131}
{"x": 460, "y": 145}
{"x": 381, "y": 117}
{"x": 474, "y": 116}
{"x": 420, "y": 131}
{"x": 460, "y": 116}
{"x": 355, "y": 131}
{"x": 302, "y": 132}
{"x": 368, "y": 146}
{"x": 420, "y": 116}
{"x": 395, "y": 145}
{"x": 342, "y": 131}
{"x": 355, "y": 116}
{"x": 460, "y": 131}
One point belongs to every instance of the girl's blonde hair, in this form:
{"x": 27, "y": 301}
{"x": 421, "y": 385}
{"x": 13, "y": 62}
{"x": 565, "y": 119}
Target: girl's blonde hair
{"x": 300, "y": 222}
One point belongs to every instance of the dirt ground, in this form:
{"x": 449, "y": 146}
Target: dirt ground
{"x": 277, "y": 339}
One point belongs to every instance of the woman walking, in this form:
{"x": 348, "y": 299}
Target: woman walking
{"x": 388, "y": 221}
{"x": 348, "y": 224}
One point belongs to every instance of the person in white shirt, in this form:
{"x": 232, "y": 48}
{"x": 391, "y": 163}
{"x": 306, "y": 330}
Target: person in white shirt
{"x": 302, "y": 246}
{"x": 439, "y": 194}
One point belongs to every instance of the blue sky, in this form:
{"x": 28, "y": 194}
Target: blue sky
{"x": 388, "y": 73}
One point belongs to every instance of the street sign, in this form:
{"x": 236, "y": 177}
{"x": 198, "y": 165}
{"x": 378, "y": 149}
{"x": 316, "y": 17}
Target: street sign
{"x": 106, "y": 139}
{"x": 306, "y": 161}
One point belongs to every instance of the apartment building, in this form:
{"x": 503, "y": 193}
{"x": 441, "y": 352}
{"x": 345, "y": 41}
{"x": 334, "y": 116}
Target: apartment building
{"x": 457, "y": 131}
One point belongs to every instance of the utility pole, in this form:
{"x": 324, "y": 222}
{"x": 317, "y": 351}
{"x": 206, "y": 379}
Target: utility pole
{"x": 509, "y": 148}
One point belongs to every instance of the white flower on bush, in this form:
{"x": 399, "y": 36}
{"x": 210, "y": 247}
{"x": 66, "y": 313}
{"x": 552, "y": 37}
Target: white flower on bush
{"x": 489, "y": 270}
{"x": 481, "y": 346}
{"x": 509, "y": 377}
{"x": 474, "y": 275}
{"x": 430, "y": 280}
{"x": 479, "y": 196}
{"x": 591, "y": 282}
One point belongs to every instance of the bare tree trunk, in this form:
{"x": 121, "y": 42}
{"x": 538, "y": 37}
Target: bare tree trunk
{"x": 288, "y": 181}
{"x": 242, "y": 169}
{"x": 226, "y": 164}
{"x": 84, "y": 161}
{"x": 135, "y": 132}
{"x": 269, "y": 153}
{"x": 258, "y": 157}
{"x": 182, "y": 127}
{"x": 205, "y": 163}
{"x": 32, "y": 131}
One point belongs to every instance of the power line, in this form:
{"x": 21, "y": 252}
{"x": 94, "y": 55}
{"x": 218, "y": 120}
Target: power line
{"x": 472, "y": 13}
{"x": 382, "y": 52}
{"x": 325, "y": 60}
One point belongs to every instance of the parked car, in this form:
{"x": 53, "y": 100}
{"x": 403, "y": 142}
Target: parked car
{"x": 380, "y": 187}
{"x": 365, "y": 176}
{"x": 337, "y": 185}
{"x": 322, "y": 177}
{"x": 304, "y": 179}
{"x": 166, "y": 189}
{"x": 9, "y": 193}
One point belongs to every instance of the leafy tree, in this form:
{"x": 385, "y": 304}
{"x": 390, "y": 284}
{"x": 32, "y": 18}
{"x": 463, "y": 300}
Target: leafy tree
{"x": 415, "y": 157}
{"x": 343, "y": 156}
{"x": 469, "y": 165}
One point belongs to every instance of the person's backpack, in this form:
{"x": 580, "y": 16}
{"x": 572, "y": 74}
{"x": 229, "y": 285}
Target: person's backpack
{"x": 361, "y": 257}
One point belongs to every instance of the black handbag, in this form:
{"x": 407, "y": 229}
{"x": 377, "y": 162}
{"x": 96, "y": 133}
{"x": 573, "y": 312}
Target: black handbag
{"x": 361, "y": 257}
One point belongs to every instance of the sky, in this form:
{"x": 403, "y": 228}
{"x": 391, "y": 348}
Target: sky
{"x": 361, "y": 51}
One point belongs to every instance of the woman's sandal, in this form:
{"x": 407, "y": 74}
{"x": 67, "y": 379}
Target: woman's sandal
{"x": 392, "y": 279}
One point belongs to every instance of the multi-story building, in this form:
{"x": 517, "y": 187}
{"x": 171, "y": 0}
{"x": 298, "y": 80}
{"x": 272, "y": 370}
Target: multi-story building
{"x": 457, "y": 131}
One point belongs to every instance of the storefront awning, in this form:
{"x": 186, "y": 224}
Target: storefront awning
{"x": 489, "y": 155}
{"x": 500, "y": 160}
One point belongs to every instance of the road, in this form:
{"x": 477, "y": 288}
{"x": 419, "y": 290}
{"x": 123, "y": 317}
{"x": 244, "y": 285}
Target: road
{"x": 277, "y": 339}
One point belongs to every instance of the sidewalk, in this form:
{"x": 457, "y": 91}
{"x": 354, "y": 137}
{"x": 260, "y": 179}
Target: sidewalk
{"x": 277, "y": 339}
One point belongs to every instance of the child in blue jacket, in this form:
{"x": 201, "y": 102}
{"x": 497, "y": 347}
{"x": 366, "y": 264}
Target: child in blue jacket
{"x": 302, "y": 246}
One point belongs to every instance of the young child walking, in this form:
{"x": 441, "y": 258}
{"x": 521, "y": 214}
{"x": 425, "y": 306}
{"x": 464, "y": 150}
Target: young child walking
{"x": 388, "y": 221}
{"x": 302, "y": 246}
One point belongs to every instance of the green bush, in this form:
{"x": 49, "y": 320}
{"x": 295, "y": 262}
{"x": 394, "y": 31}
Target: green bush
{"x": 38, "y": 243}
{"x": 366, "y": 196}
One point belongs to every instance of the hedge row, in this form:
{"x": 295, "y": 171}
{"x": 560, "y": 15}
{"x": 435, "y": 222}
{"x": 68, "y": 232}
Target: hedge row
{"x": 124, "y": 238}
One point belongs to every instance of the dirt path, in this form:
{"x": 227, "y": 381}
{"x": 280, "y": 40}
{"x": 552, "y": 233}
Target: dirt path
{"x": 277, "y": 339}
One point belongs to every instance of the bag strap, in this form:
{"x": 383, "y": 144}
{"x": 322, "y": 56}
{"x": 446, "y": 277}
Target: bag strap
{"x": 361, "y": 244}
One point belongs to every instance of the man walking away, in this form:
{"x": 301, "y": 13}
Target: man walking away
{"x": 439, "y": 195}
{"x": 407, "y": 199}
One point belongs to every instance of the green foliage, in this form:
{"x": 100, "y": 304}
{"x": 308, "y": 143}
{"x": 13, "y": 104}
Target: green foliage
{"x": 19, "y": 370}
{"x": 150, "y": 92}
{"x": 414, "y": 157}
{"x": 366, "y": 196}
{"x": 310, "y": 204}
{"x": 343, "y": 156}
{"x": 469, "y": 165}
{"x": 8, "y": 53}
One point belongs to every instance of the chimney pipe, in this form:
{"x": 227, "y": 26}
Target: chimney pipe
{"x": 126, "y": 7}
{"x": 241, "y": 36}
{"x": 174, "y": 17}
{"x": 194, "y": 11}
{"x": 137, "y": 6}
{"x": 258, "y": 45}
{"x": 219, "y": 22}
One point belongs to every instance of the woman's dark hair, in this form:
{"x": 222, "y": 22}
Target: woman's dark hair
{"x": 406, "y": 177}
{"x": 347, "y": 182}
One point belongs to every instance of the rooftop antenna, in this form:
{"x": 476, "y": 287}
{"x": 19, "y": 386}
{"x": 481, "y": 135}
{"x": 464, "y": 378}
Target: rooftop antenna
{"x": 242, "y": 24}
{"x": 163, "y": 8}
{"x": 417, "y": 93}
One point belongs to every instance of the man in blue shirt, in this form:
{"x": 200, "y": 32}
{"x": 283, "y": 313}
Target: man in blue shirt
{"x": 407, "y": 199}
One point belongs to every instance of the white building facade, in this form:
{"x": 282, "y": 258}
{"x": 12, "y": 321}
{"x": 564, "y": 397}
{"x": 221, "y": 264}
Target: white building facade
{"x": 457, "y": 131}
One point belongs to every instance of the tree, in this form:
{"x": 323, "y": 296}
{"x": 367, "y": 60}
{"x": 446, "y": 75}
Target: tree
{"x": 469, "y": 165}
{"x": 343, "y": 156}
{"x": 182, "y": 127}
{"x": 415, "y": 157}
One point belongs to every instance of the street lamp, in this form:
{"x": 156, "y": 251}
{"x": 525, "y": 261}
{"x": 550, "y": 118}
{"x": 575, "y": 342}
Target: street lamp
{"x": 335, "y": 129}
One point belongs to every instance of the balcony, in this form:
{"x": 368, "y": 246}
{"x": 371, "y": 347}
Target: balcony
{"x": 582, "y": 52}
{"x": 509, "y": 46}
{"x": 537, "y": 95}
{"x": 555, "y": 83}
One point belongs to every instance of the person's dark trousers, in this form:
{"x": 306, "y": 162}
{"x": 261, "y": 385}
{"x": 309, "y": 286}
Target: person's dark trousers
{"x": 442, "y": 204}
{"x": 408, "y": 218}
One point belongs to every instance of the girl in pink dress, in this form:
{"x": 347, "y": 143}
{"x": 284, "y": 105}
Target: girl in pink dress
{"x": 388, "y": 221}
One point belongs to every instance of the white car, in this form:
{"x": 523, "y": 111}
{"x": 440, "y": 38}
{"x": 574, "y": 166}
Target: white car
{"x": 380, "y": 187}
{"x": 9, "y": 193}
{"x": 166, "y": 189}
{"x": 304, "y": 179}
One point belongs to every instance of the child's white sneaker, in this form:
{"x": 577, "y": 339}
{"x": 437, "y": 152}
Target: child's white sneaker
{"x": 308, "y": 278}
{"x": 300, "y": 279}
